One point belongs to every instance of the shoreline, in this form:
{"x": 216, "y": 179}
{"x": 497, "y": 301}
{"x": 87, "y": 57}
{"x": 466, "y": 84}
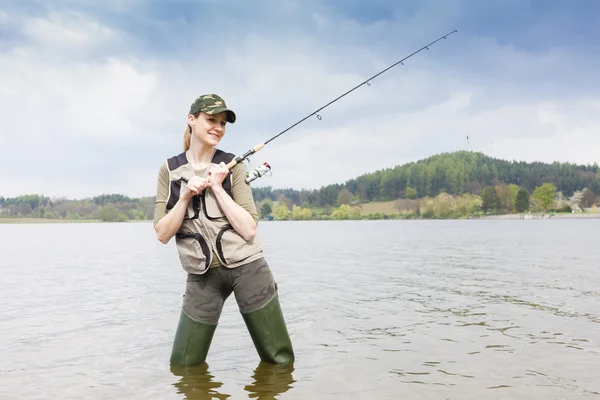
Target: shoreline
{"x": 587, "y": 215}
{"x": 29, "y": 220}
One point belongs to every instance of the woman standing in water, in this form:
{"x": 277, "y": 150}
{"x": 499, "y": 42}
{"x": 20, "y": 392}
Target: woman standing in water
{"x": 211, "y": 212}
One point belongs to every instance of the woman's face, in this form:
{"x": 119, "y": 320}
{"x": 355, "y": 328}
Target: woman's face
{"x": 208, "y": 129}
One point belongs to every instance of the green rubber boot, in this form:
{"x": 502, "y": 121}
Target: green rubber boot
{"x": 192, "y": 341}
{"x": 269, "y": 333}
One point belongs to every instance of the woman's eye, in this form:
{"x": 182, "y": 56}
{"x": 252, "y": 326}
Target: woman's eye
{"x": 223, "y": 123}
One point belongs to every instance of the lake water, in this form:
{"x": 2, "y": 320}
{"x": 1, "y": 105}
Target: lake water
{"x": 376, "y": 310}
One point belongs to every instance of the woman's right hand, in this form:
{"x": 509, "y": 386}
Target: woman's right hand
{"x": 195, "y": 186}
{"x": 168, "y": 225}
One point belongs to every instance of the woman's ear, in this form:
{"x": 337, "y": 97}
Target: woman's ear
{"x": 191, "y": 120}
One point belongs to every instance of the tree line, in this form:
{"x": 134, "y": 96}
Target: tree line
{"x": 499, "y": 199}
{"x": 105, "y": 207}
{"x": 453, "y": 173}
{"x": 447, "y": 184}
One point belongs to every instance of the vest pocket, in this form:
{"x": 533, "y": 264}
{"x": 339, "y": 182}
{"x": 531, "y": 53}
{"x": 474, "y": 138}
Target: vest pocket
{"x": 212, "y": 209}
{"x": 193, "y": 251}
{"x": 232, "y": 247}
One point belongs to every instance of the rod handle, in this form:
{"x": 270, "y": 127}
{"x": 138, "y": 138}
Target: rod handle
{"x": 239, "y": 159}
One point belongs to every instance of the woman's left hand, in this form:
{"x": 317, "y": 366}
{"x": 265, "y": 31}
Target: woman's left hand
{"x": 217, "y": 174}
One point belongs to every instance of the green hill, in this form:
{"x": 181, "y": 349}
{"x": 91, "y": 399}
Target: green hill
{"x": 453, "y": 173}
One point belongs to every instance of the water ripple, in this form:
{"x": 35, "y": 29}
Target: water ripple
{"x": 376, "y": 309}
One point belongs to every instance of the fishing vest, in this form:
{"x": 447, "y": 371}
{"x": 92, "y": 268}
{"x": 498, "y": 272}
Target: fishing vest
{"x": 205, "y": 232}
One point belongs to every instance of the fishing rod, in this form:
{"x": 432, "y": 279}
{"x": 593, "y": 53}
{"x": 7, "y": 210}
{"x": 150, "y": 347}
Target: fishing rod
{"x": 263, "y": 168}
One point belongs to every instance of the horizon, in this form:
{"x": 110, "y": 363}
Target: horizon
{"x": 97, "y": 94}
{"x": 593, "y": 165}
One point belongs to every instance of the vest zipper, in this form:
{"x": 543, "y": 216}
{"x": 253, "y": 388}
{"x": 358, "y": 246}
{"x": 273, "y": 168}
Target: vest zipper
{"x": 219, "y": 244}
{"x": 203, "y": 206}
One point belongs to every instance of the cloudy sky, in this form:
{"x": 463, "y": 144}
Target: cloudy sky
{"x": 94, "y": 95}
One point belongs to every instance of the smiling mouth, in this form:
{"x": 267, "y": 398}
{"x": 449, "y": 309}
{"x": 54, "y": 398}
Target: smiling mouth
{"x": 215, "y": 135}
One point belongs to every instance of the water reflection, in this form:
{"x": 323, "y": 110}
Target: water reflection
{"x": 269, "y": 381}
{"x": 197, "y": 383}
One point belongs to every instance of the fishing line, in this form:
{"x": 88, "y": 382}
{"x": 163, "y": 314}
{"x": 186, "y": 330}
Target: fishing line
{"x": 258, "y": 147}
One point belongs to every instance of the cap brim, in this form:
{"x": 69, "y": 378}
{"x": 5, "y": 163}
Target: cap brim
{"x": 218, "y": 110}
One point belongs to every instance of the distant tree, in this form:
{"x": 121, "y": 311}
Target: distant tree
{"x": 588, "y": 199}
{"x": 490, "y": 199}
{"x": 467, "y": 205}
{"x": 504, "y": 203}
{"x": 296, "y": 212}
{"x": 522, "y": 201}
{"x": 346, "y": 212}
{"x": 443, "y": 206}
{"x": 546, "y": 194}
{"x": 20, "y": 209}
{"x": 410, "y": 192}
{"x": 512, "y": 191}
{"x": 494, "y": 170}
{"x": 534, "y": 204}
{"x": 266, "y": 209}
{"x": 288, "y": 202}
{"x": 261, "y": 193}
{"x": 307, "y": 197}
{"x": 474, "y": 203}
{"x": 306, "y": 214}
{"x": 109, "y": 213}
{"x": 344, "y": 197}
{"x": 138, "y": 213}
{"x": 111, "y": 198}
{"x": 281, "y": 212}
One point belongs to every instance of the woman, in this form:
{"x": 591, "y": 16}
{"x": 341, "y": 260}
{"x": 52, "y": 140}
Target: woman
{"x": 211, "y": 213}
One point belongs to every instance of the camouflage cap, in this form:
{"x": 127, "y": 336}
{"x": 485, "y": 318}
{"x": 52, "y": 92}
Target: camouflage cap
{"x": 212, "y": 104}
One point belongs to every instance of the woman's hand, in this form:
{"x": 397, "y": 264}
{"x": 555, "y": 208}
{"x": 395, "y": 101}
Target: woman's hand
{"x": 195, "y": 186}
{"x": 168, "y": 225}
{"x": 217, "y": 174}
{"x": 238, "y": 217}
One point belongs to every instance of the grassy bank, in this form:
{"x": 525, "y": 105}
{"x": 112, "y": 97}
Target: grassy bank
{"x": 379, "y": 207}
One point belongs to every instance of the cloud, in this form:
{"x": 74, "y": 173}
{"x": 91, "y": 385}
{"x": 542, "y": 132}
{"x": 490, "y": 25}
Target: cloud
{"x": 97, "y": 96}
{"x": 66, "y": 29}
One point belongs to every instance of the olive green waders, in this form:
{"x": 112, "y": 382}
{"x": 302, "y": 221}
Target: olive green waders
{"x": 192, "y": 341}
{"x": 258, "y": 302}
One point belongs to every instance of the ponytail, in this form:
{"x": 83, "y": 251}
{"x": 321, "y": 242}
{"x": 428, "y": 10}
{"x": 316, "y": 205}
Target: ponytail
{"x": 187, "y": 138}
{"x": 187, "y": 134}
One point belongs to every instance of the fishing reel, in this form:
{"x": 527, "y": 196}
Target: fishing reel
{"x": 257, "y": 172}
